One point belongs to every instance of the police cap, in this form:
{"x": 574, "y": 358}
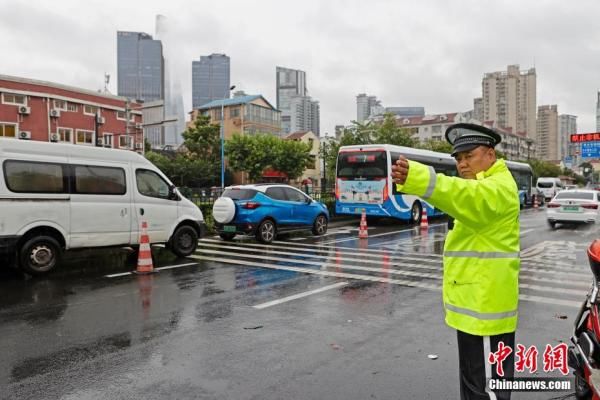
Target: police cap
{"x": 466, "y": 137}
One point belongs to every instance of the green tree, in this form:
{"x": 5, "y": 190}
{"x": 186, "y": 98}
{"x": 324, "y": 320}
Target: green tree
{"x": 389, "y": 132}
{"x": 441, "y": 146}
{"x": 251, "y": 153}
{"x": 203, "y": 142}
{"x": 292, "y": 158}
{"x": 543, "y": 168}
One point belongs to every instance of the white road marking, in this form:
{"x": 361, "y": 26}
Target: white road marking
{"x": 156, "y": 269}
{"x": 526, "y": 231}
{"x": 526, "y": 265}
{"x": 537, "y": 299}
{"x": 299, "y": 295}
{"x": 378, "y": 260}
{"x": 372, "y": 236}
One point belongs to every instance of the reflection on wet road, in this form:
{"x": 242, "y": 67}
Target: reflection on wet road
{"x": 240, "y": 319}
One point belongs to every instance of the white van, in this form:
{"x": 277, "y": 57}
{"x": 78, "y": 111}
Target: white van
{"x": 549, "y": 186}
{"x": 55, "y": 197}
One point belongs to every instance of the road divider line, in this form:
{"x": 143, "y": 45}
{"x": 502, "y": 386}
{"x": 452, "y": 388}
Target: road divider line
{"x": 156, "y": 269}
{"x": 299, "y": 296}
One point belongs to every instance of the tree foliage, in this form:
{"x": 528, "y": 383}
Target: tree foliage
{"x": 200, "y": 164}
{"x": 544, "y": 168}
{"x": 255, "y": 153}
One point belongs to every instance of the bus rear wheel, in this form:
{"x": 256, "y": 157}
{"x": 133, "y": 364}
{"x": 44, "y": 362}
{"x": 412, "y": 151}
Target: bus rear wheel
{"x": 415, "y": 213}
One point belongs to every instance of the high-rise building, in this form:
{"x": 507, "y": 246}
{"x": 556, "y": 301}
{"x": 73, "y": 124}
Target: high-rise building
{"x": 210, "y": 79}
{"x": 304, "y": 115}
{"x": 478, "y": 109}
{"x": 567, "y": 127}
{"x": 509, "y": 99}
{"x": 339, "y": 131}
{"x": 290, "y": 83}
{"x": 364, "y": 105}
{"x": 547, "y": 141}
{"x": 598, "y": 113}
{"x": 140, "y": 66}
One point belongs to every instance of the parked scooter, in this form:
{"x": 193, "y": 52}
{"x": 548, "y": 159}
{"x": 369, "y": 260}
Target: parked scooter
{"x": 584, "y": 355}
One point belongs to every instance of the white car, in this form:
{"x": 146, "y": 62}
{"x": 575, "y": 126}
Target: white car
{"x": 576, "y": 205}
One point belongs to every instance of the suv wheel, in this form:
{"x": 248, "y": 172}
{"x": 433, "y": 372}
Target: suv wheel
{"x": 39, "y": 255}
{"x": 184, "y": 241}
{"x": 266, "y": 231}
{"x": 320, "y": 225}
{"x": 552, "y": 224}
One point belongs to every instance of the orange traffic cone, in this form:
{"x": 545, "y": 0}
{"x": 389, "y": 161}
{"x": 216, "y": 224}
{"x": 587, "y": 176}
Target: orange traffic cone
{"x": 144, "y": 264}
{"x": 363, "y": 232}
{"x": 535, "y": 201}
{"x": 424, "y": 222}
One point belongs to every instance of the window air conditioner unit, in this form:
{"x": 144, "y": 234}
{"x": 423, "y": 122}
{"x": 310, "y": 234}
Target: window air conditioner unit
{"x": 55, "y": 113}
{"x": 138, "y": 126}
{"x": 24, "y": 110}
{"x": 443, "y": 117}
{"x": 100, "y": 120}
{"x": 139, "y": 146}
{"x": 25, "y": 135}
{"x": 54, "y": 137}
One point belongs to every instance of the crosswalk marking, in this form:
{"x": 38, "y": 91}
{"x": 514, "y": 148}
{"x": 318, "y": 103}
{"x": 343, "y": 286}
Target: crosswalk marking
{"x": 416, "y": 284}
{"x": 299, "y": 295}
{"x": 385, "y": 264}
{"x": 575, "y": 272}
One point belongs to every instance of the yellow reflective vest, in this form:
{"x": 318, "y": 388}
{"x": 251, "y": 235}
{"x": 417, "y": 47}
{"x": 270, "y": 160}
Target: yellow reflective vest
{"x": 481, "y": 253}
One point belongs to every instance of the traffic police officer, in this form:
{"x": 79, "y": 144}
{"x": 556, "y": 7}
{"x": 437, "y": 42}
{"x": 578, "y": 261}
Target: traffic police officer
{"x": 481, "y": 252}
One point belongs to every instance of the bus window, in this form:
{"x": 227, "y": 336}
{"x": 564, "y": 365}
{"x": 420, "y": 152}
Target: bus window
{"x": 362, "y": 165}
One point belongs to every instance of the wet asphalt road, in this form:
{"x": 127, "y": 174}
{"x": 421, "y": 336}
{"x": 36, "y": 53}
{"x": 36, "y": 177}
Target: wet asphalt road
{"x": 333, "y": 317}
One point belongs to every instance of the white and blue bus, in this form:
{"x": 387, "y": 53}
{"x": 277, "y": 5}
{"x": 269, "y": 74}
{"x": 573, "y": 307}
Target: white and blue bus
{"x": 363, "y": 181}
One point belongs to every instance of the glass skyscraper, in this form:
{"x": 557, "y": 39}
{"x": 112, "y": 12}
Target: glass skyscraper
{"x": 290, "y": 83}
{"x": 210, "y": 79}
{"x": 140, "y": 66}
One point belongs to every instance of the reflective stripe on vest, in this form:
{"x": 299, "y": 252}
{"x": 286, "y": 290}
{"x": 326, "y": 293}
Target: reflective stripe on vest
{"x": 481, "y": 254}
{"x": 483, "y": 316}
{"x": 431, "y": 185}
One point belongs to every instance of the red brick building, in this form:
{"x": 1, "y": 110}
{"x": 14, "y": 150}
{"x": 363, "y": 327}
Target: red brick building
{"x": 51, "y": 112}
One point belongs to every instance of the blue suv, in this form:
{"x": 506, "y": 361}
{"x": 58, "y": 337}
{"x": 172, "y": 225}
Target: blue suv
{"x": 264, "y": 210}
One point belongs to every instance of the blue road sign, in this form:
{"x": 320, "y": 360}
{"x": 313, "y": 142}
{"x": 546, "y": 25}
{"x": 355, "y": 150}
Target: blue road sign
{"x": 590, "y": 149}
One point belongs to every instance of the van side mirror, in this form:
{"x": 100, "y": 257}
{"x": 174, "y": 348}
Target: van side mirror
{"x": 173, "y": 193}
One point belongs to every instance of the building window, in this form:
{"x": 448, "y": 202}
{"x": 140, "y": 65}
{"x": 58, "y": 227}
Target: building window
{"x": 71, "y": 107}
{"x": 85, "y": 137}
{"x": 122, "y": 115}
{"x": 60, "y": 104}
{"x": 107, "y": 140}
{"x": 65, "y": 135}
{"x": 125, "y": 142}
{"x": 311, "y": 143}
{"x": 234, "y": 112}
{"x": 8, "y": 130}
{"x": 90, "y": 110}
{"x": 16, "y": 99}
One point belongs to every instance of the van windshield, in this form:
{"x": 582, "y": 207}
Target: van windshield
{"x": 545, "y": 185}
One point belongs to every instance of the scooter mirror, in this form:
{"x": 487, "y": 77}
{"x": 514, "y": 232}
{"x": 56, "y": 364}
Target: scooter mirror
{"x": 594, "y": 258}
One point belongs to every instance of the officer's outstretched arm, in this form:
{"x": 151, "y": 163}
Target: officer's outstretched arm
{"x": 472, "y": 202}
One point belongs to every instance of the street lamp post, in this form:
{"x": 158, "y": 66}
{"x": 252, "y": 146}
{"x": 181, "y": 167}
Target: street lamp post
{"x": 223, "y": 139}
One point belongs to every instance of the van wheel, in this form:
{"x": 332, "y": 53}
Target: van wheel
{"x": 416, "y": 212}
{"x": 227, "y": 236}
{"x": 552, "y": 224}
{"x": 184, "y": 241}
{"x": 266, "y": 231}
{"x": 39, "y": 255}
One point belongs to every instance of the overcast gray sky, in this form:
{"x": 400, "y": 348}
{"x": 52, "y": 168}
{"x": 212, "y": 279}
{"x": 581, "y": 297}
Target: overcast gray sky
{"x": 407, "y": 53}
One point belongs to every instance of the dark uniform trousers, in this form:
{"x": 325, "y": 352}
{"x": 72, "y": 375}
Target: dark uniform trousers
{"x": 476, "y": 370}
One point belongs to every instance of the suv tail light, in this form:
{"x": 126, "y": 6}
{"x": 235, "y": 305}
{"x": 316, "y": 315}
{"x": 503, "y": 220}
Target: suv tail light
{"x": 553, "y": 205}
{"x": 590, "y": 206}
{"x": 251, "y": 205}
